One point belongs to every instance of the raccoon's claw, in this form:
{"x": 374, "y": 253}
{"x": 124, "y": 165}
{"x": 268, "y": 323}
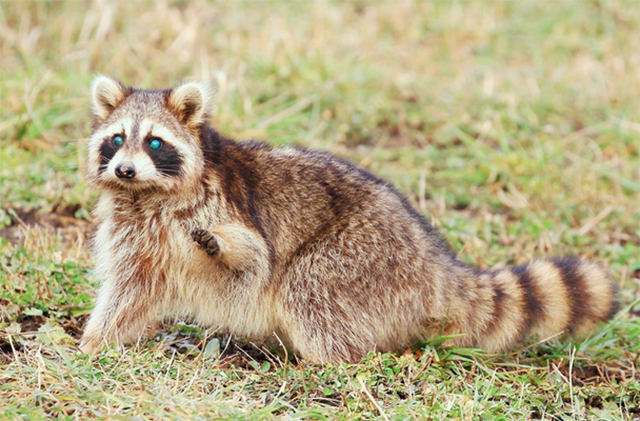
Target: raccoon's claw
{"x": 207, "y": 241}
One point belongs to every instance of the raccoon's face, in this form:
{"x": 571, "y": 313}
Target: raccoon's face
{"x": 146, "y": 140}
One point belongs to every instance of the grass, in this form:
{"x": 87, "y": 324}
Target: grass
{"x": 514, "y": 125}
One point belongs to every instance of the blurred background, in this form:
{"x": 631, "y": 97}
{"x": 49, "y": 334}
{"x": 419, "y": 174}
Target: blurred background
{"x": 511, "y": 123}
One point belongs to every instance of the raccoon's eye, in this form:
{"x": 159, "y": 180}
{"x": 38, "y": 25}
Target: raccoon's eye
{"x": 155, "y": 143}
{"x": 118, "y": 140}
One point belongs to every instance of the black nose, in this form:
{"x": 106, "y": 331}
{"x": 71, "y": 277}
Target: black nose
{"x": 125, "y": 171}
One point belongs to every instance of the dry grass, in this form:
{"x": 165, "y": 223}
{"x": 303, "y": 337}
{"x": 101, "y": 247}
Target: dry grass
{"x": 514, "y": 124}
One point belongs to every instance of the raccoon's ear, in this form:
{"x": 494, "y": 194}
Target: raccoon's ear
{"x": 106, "y": 94}
{"x": 192, "y": 103}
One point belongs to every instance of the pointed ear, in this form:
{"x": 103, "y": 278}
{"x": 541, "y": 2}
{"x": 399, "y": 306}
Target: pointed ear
{"x": 192, "y": 103}
{"x": 106, "y": 95}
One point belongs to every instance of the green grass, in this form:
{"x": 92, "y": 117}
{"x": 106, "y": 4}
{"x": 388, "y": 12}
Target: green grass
{"x": 514, "y": 125}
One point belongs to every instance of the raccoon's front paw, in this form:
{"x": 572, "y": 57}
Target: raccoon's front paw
{"x": 207, "y": 241}
{"x": 89, "y": 345}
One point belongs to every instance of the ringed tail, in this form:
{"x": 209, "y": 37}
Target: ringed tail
{"x": 542, "y": 299}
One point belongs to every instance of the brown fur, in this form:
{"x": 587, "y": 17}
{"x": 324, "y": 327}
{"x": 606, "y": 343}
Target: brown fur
{"x": 302, "y": 244}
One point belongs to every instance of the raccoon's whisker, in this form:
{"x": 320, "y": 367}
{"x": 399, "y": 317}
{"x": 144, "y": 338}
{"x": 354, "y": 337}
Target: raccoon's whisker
{"x": 167, "y": 176}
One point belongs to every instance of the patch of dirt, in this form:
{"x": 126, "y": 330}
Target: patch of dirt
{"x": 60, "y": 218}
{"x": 240, "y": 355}
{"x": 30, "y": 324}
{"x": 600, "y": 373}
{"x": 75, "y": 326}
{"x": 236, "y": 353}
{"x": 5, "y": 352}
{"x": 406, "y": 135}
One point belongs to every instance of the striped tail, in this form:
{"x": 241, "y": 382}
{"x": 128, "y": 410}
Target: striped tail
{"x": 542, "y": 299}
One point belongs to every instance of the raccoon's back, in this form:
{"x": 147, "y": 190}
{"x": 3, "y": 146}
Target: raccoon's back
{"x": 293, "y": 195}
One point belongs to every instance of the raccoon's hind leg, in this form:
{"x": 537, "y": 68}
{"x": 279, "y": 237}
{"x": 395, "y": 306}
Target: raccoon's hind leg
{"x": 325, "y": 315}
{"x": 236, "y": 245}
{"x": 339, "y": 301}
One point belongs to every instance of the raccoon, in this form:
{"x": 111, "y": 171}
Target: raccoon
{"x": 291, "y": 243}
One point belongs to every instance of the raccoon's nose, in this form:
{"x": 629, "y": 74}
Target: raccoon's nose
{"x": 125, "y": 170}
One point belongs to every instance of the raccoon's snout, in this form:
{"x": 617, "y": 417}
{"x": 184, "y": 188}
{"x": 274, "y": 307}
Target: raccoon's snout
{"x": 125, "y": 170}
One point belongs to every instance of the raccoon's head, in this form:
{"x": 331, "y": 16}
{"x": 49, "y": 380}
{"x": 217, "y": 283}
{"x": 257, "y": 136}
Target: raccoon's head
{"x": 146, "y": 140}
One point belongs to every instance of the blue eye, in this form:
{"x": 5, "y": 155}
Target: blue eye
{"x": 155, "y": 143}
{"x": 118, "y": 140}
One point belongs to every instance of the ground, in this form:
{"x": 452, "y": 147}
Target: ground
{"x": 514, "y": 126}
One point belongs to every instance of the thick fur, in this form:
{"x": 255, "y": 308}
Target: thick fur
{"x": 300, "y": 244}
